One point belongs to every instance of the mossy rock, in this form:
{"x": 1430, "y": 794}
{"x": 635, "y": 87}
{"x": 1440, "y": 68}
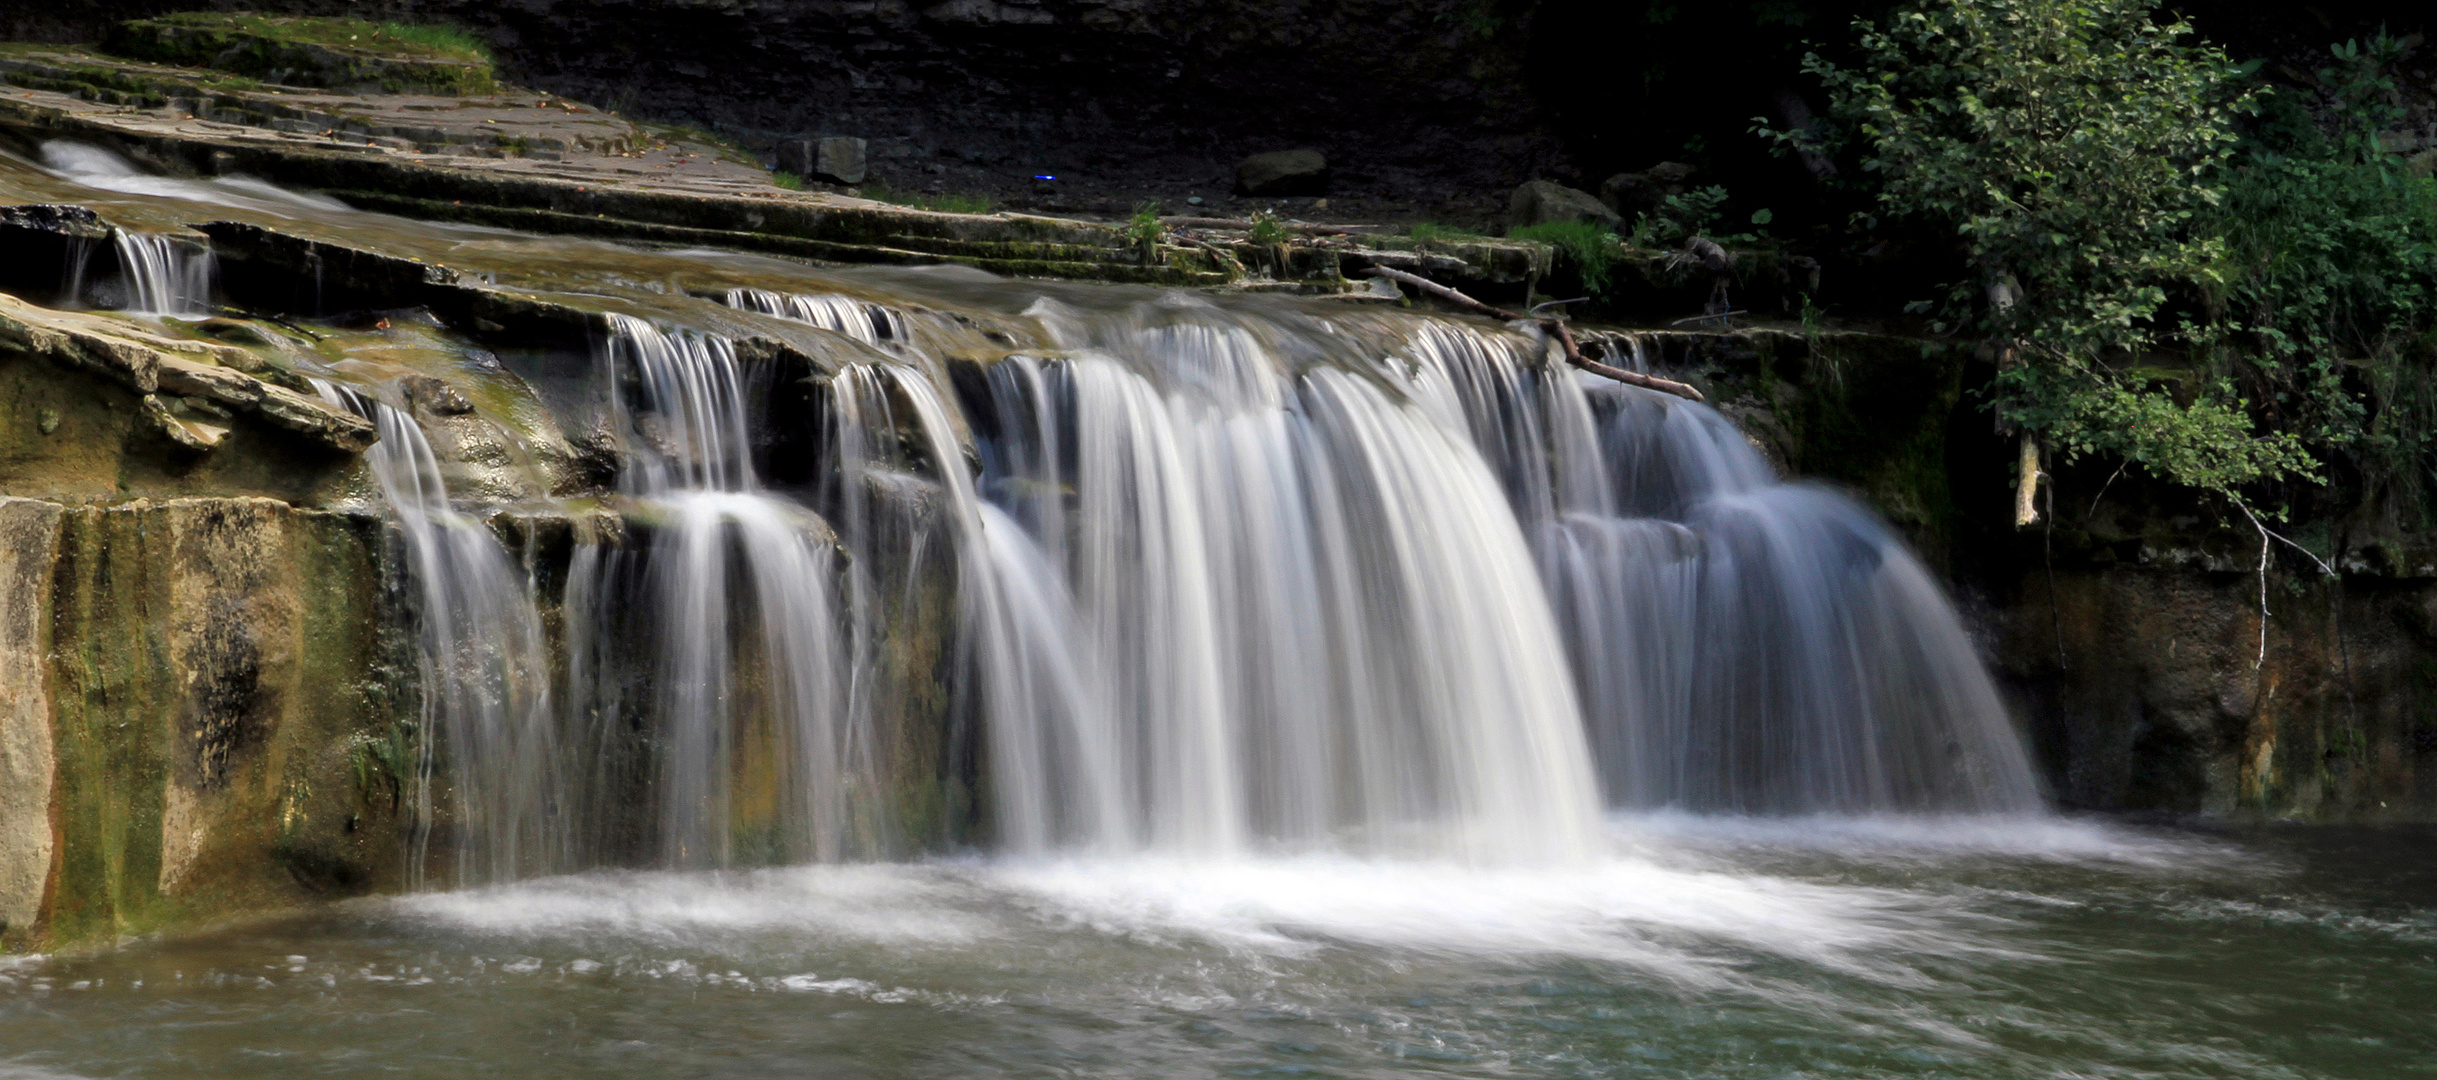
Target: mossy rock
{"x": 341, "y": 54}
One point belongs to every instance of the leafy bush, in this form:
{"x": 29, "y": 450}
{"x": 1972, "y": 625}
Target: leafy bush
{"x": 1680, "y": 217}
{"x": 2329, "y": 273}
{"x": 2070, "y": 146}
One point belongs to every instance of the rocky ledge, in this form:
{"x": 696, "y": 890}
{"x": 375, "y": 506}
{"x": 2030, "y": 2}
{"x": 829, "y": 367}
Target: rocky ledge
{"x": 521, "y": 159}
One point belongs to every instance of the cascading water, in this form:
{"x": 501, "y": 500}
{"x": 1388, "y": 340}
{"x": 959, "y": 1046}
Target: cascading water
{"x": 1305, "y": 605}
{"x": 1218, "y": 603}
{"x": 1742, "y": 644}
{"x": 486, "y": 674}
{"x": 861, "y": 320}
{"x": 164, "y": 276}
{"x": 759, "y": 755}
{"x": 1412, "y": 590}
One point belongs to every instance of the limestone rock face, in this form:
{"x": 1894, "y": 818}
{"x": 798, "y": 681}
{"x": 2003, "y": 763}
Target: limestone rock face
{"x": 1283, "y": 172}
{"x": 187, "y": 693}
{"x": 1541, "y": 202}
{"x": 29, "y": 545}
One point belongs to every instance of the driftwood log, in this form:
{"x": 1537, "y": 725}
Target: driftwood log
{"x": 1245, "y": 225}
{"x": 1555, "y": 327}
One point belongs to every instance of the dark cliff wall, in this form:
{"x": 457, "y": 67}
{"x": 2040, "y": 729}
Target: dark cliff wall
{"x": 1440, "y": 105}
{"x": 1412, "y": 96}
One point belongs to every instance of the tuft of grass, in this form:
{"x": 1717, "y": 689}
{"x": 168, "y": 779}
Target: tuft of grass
{"x": 1266, "y": 229}
{"x": 1591, "y": 248}
{"x": 787, "y": 180}
{"x": 945, "y": 204}
{"x": 443, "y": 40}
{"x": 1145, "y": 230}
{"x": 1426, "y": 231}
{"x": 404, "y": 39}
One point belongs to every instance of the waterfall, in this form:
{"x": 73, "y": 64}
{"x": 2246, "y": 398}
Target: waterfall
{"x": 866, "y": 322}
{"x": 164, "y": 276}
{"x": 1300, "y": 599}
{"x": 1225, "y": 583}
{"x": 732, "y": 610}
{"x": 486, "y": 705}
{"x": 1741, "y": 644}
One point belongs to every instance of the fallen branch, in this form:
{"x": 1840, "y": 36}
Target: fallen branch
{"x": 1700, "y": 318}
{"x": 1556, "y": 327}
{"x": 1442, "y": 292}
{"x": 1244, "y": 224}
{"x": 1216, "y": 253}
{"x": 1573, "y": 355}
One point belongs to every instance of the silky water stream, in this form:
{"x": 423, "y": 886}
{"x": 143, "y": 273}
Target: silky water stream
{"x": 1342, "y": 693}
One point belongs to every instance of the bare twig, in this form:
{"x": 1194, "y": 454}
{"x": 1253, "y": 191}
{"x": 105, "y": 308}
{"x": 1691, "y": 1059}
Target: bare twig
{"x": 1215, "y": 253}
{"x": 1559, "y": 303}
{"x": 1243, "y": 224}
{"x": 1442, "y": 292}
{"x": 1556, "y": 327}
{"x": 2265, "y": 534}
{"x": 1701, "y": 318}
{"x": 2094, "y": 500}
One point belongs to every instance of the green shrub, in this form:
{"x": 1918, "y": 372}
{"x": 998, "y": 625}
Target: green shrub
{"x": 1680, "y": 217}
{"x": 2071, "y": 147}
{"x": 2327, "y": 285}
{"x": 1266, "y": 229}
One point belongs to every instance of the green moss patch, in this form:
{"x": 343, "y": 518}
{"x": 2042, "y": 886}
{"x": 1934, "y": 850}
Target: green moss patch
{"x": 348, "y": 54}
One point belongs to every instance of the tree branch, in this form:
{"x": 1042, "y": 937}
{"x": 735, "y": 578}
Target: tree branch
{"x": 1573, "y": 355}
{"x": 1556, "y": 327}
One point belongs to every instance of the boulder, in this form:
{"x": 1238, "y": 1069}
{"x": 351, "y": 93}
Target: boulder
{"x": 1641, "y": 192}
{"x": 1540, "y": 202}
{"x": 1283, "y": 172}
{"x": 837, "y": 159}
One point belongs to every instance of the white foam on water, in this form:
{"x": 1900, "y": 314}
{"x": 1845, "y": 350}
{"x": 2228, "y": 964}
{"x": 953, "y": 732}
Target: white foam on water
{"x": 880, "y": 903}
{"x": 1693, "y": 927}
{"x": 1932, "y": 837}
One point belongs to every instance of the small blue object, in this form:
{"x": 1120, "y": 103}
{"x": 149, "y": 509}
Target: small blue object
{"x": 1039, "y": 177}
